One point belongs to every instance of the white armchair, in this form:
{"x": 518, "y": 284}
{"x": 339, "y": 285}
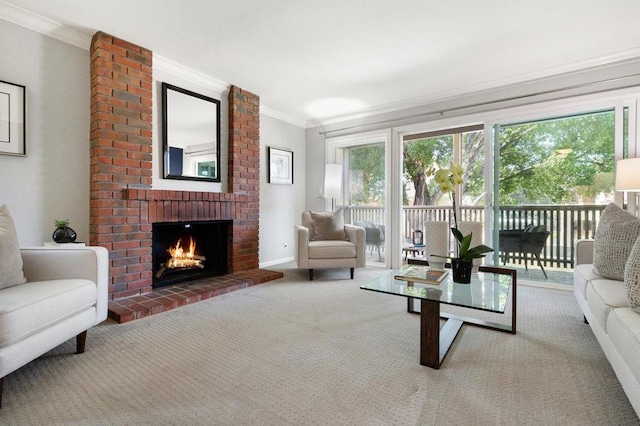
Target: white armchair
{"x": 343, "y": 250}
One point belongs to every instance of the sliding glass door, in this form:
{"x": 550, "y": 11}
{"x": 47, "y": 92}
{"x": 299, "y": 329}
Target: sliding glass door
{"x": 553, "y": 176}
{"x": 364, "y": 196}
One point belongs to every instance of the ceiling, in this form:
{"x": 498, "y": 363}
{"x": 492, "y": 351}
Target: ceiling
{"x": 314, "y": 59}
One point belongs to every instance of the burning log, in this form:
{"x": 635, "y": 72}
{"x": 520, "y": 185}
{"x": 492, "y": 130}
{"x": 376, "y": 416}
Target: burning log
{"x": 181, "y": 259}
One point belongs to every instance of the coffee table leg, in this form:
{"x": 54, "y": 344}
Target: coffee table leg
{"x": 430, "y": 333}
{"x": 435, "y": 343}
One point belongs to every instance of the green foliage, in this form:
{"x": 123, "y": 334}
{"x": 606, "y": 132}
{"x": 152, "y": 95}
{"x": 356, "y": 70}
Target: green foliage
{"x": 464, "y": 251}
{"x": 553, "y": 161}
{"x": 61, "y": 223}
{"x": 420, "y": 159}
{"x": 556, "y": 161}
{"x": 367, "y": 175}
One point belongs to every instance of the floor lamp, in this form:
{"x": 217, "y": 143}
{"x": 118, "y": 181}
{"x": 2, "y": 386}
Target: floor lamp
{"x": 628, "y": 177}
{"x": 332, "y": 182}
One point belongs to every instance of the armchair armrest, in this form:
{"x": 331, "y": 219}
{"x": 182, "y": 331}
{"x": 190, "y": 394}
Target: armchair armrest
{"x": 357, "y": 235}
{"x": 301, "y": 251}
{"x": 584, "y": 251}
{"x": 90, "y": 263}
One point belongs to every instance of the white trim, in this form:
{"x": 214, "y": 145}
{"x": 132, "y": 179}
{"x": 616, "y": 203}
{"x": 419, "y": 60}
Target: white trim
{"x": 42, "y": 25}
{"x": 171, "y": 67}
{"x": 276, "y": 262}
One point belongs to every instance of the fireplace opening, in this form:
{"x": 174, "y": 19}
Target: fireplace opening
{"x": 184, "y": 251}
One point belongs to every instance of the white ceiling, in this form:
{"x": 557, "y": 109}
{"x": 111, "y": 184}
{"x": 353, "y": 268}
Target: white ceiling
{"x": 303, "y": 56}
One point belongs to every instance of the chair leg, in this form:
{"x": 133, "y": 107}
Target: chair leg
{"x": 379, "y": 254}
{"x": 1, "y": 383}
{"x": 310, "y": 274}
{"x": 352, "y": 271}
{"x": 81, "y": 339}
{"x": 541, "y": 267}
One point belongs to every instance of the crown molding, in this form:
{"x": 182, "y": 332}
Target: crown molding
{"x": 299, "y": 122}
{"x": 171, "y": 67}
{"x": 475, "y": 88}
{"x": 42, "y": 25}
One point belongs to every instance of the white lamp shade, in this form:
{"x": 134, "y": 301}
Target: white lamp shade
{"x": 332, "y": 180}
{"x": 628, "y": 175}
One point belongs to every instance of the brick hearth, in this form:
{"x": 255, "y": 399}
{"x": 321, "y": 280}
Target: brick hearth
{"x": 173, "y": 296}
{"x": 124, "y": 205}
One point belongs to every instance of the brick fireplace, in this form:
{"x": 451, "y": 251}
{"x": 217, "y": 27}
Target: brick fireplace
{"x": 123, "y": 205}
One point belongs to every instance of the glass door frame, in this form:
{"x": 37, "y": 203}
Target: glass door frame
{"x": 361, "y": 139}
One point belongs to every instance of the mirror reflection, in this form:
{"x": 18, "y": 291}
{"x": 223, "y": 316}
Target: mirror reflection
{"x": 191, "y": 133}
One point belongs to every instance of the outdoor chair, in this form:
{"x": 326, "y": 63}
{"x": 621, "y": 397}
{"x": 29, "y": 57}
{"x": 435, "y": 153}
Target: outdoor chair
{"x": 530, "y": 240}
{"x": 374, "y": 236}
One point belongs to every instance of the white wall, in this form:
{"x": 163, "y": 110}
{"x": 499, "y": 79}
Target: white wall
{"x": 314, "y": 169}
{"x": 281, "y": 206}
{"x": 52, "y": 181}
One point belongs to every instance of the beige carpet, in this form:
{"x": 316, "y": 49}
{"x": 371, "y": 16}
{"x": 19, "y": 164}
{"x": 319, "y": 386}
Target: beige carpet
{"x": 294, "y": 352}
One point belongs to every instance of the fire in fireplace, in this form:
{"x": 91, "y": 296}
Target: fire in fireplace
{"x": 184, "y": 251}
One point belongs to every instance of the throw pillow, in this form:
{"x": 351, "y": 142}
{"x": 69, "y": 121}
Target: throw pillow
{"x": 10, "y": 259}
{"x": 632, "y": 277}
{"x": 616, "y": 234}
{"x": 328, "y": 226}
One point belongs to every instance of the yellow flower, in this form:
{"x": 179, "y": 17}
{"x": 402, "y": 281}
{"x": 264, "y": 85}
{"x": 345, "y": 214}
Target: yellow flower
{"x": 442, "y": 176}
{"x": 456, "y": 170}
{"x": 446, "y": 186}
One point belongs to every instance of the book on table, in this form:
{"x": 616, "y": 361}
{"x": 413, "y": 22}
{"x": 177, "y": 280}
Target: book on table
{"x": 422, "y": 274}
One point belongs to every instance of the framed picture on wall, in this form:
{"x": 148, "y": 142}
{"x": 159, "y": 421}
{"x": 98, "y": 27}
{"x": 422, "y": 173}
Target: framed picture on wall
{"x": 280, "y": 166}
{"x": 12, "y": 119}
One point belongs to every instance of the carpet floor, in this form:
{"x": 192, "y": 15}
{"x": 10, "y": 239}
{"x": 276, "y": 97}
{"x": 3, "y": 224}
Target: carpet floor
{"x": 294, "y": 352}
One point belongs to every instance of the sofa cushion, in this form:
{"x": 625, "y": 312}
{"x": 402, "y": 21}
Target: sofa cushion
{"x": 582, "y": 274}
{"x": 331, "y": 249}
{"x": 632, "y": 277}
{"x": 623, "y": 329}
{"x": 34, "y": 306}
{"x": 328, "y": 226}
{"x": 617, "y": 232}
{"x": 603, "y": 295}
{"x": 10, "y": 259}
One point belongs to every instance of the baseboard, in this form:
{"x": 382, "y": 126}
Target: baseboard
{"x": 277, "y": 262}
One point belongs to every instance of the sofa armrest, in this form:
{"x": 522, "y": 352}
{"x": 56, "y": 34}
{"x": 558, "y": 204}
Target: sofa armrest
{"x": 90, "y": 263}
{"x": 584, "y": 251}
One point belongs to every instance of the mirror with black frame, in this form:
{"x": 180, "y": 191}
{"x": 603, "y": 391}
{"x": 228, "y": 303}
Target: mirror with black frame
{"x": 191, "y": 135}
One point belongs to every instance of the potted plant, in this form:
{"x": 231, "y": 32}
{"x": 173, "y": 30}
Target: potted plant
{"x": 62, "y": 233}
{"x": 462, "y": 263}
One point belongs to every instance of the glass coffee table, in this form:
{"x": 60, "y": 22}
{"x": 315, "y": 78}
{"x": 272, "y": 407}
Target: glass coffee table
{"x": 488, "y": 291}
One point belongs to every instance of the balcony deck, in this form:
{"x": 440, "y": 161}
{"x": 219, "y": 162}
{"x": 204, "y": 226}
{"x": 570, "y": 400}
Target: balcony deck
{"x": 567, "y": 223}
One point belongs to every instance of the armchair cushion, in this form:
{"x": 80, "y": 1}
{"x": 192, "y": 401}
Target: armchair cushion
{"x": 332, "y": 249}
{"x": 328, "y": 226}
{"x": 10, "y": 260}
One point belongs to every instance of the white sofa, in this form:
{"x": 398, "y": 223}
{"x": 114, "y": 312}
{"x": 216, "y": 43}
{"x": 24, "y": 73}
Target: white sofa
{"x": 616, "y": 326}
{"x": 66, "y": 293}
